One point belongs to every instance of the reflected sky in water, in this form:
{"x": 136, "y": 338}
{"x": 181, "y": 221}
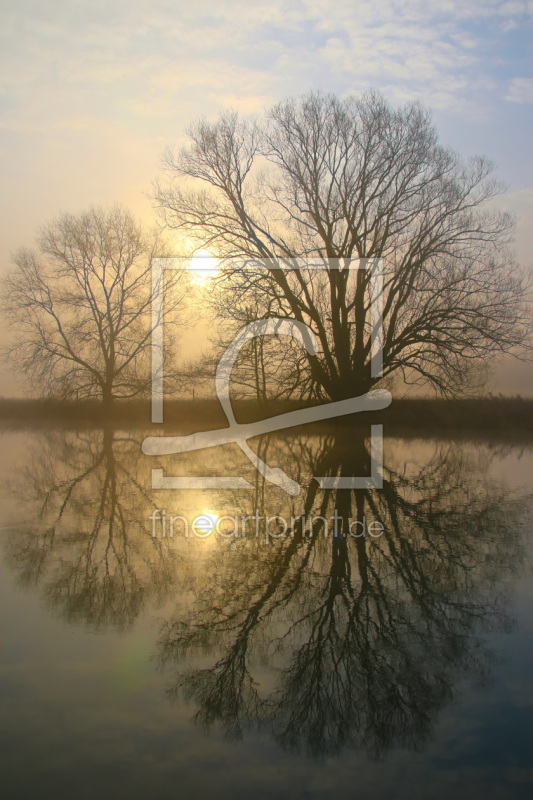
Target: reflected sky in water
{"x": 305, "y": 666}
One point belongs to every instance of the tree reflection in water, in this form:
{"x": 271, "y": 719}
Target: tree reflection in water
{"x": 89, "y": 549}
{"x": 322, "y": 641}
{"x": 342, "y": 641}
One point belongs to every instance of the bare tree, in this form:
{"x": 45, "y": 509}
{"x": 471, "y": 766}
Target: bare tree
{"x": 80, "y": 309}
{"x": 337, "y": 180}
{"x": 267, "y": 368}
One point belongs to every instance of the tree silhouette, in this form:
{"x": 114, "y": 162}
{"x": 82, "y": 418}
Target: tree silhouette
{"x": 80, "y": 312}
{"x": 334, "y": 180}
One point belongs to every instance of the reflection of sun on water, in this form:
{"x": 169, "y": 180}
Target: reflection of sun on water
{"x": 205, "y": 522}
{"x": 203, "y": 266}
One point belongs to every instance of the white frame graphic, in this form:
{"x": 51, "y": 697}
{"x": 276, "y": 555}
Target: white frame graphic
{"x": 238, "y": 433}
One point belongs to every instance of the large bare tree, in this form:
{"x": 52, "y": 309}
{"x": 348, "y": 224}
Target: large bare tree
{"x": 80, "y": 309}
{"x": 336, "y": 180}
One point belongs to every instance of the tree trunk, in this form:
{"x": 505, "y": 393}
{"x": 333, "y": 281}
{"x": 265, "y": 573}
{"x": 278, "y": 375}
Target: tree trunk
{"x": 107, "y": 398}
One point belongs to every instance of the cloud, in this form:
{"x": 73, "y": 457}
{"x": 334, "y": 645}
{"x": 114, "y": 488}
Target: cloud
{"x": 520, "y": 91}
{"x": 145, "y": 63}
{"x": 509, "y": 25}
{"x": 82, "y": 82}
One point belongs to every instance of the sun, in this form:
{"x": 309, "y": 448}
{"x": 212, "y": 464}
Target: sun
{"x": 203, "y": 266}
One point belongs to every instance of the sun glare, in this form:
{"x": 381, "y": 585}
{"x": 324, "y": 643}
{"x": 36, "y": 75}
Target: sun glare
{"x": 203, "y": 266}
{"x": 206, "y": 521}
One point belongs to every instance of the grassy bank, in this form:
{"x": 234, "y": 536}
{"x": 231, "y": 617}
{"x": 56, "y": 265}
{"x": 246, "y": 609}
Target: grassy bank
{"x": 485, "y": 418}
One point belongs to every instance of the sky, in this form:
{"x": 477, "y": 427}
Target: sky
{"x": 91, "y": 92}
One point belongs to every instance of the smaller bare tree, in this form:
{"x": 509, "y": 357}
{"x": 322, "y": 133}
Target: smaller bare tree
{"x": 268, "y": 368}
{"x": 80, "y": 309}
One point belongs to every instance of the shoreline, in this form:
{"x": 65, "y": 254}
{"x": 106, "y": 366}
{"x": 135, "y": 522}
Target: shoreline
{"x": 492, "y": 417}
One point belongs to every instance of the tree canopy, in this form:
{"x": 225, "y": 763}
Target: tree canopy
{"x": 335, "y": 180}
{"x": 80, "y": 307}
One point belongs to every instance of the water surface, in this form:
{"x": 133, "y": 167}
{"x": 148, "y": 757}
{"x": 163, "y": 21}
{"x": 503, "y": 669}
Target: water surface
{"x": 312, "y": 663}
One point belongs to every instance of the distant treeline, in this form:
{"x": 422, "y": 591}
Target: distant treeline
{"x": 482, "y": 418}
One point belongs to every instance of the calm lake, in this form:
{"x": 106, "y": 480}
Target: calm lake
{"x": 243, "y": 642}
